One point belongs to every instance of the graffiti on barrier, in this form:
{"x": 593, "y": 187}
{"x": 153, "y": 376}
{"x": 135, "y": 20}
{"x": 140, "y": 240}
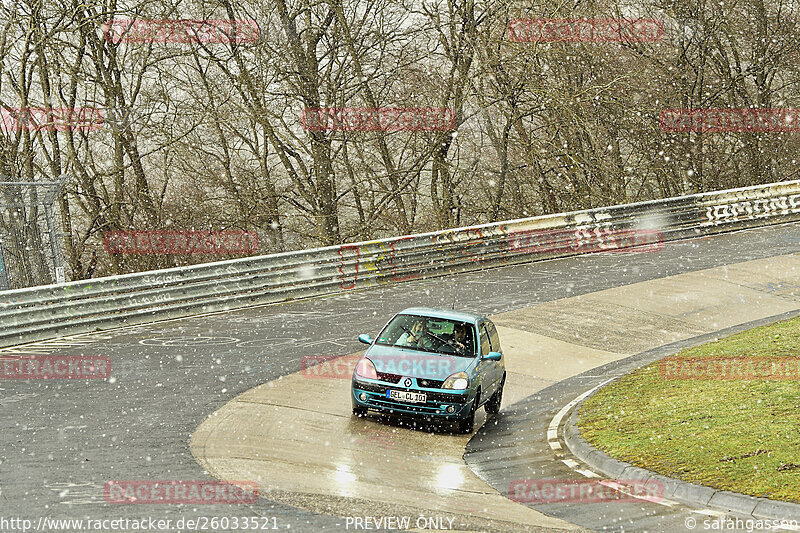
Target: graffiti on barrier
{"x": 466, "y": 243}
{"x": 380, "y": 261}
{"x": 766, "y": 207}
{"x": 370, "y": 261}
{"x": 584, "y": 240}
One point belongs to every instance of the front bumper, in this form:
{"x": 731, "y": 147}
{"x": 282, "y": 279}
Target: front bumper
{"x": 436, "y": 405}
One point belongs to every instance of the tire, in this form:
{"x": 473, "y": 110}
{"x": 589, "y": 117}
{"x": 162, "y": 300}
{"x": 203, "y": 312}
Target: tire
{"x": 467, "y": 424}
{"x": 359, "y": 411}
{"x": 493, "y": 405}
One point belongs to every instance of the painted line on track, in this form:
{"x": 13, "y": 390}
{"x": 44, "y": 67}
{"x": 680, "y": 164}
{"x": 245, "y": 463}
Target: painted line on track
{"x": 576, "y": 466}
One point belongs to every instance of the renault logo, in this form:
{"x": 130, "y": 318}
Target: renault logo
{"x": 407, "y": 382}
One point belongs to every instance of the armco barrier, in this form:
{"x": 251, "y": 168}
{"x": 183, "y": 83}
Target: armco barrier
{"x": 32, "y": 314}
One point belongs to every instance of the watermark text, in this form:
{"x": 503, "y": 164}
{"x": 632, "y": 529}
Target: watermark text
{"x": 730, "y": 368}
{"x": 180, "y": 492}
{"x": 56, "y": 367}
{"x": 422, "y": 522}
{"x": 584, "y": 491}
{"x": 51, "y": 118}
{"x": 387, "y": 367}
{"x": 729, "y": 120}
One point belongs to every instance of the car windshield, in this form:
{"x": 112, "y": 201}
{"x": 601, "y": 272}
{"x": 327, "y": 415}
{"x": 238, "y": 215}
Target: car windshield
{"x": 435, "y": 335}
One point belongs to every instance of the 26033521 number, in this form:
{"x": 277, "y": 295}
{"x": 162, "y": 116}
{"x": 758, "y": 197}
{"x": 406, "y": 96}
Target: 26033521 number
{"x": 244, "y": 523}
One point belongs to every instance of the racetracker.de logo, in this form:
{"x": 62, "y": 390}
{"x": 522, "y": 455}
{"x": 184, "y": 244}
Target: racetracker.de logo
{"x": 186, "y": 492}
{"x": 585, "y": 240}
{"x": 378, "y": 119}
{"x": 584, "y": 491}
{"x": 730, "y": 120}
{"x": 730, "y": 368}
{"x": 180, "y": 242}
{"x": 605, "y": 30}
{"x": 56, "y": 367}
{"x": 51, "y": 118}
{"x": 207, "y": 31}
{"x": 391, "y": 367}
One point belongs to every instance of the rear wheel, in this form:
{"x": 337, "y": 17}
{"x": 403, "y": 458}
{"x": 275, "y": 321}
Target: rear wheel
{"x": 359, "y": 411}
{"x": 493, "y": 405}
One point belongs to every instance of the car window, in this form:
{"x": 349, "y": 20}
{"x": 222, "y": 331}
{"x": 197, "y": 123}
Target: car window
{"x": 485, "y": 345}
{"x": 439, "y": 338}
{"x": 494, "y": 337}
{"x": 469, "y": 342}
{"x": 399, "y": 325}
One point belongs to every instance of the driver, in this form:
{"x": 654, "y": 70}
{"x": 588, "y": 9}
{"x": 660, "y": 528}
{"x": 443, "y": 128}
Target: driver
{"x": 460, "y": 339}
{"x": 416, "y": 337}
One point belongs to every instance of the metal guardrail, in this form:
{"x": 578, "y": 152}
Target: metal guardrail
{"x": 32, "y": 314}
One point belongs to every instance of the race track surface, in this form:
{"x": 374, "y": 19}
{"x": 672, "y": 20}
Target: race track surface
{"x": 66, "y": 439}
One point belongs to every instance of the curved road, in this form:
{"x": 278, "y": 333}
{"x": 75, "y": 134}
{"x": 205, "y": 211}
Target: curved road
{"x": 63, "y": 440}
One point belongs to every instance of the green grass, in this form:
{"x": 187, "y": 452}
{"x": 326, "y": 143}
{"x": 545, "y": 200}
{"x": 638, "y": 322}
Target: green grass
{"x": 742, "y": 436}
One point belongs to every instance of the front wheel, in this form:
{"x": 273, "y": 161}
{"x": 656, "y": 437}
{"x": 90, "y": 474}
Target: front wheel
{"x": 467, "y": 424}
{"x": 493, "y": 405}
{"x": 359, "y": 412}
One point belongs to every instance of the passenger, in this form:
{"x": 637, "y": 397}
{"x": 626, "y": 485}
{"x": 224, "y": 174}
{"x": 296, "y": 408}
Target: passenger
{"x": 416, "y": 337}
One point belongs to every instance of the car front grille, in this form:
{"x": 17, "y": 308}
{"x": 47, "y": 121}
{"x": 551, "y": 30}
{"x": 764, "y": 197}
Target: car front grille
{"x": 395, "y": 378}
{"x": 417, "y": 408}
{"x": 441, "y": 397}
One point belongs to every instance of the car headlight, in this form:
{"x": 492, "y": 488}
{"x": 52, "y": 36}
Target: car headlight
{"x": 457, "y": 381}
{"x": 366, "y": 369}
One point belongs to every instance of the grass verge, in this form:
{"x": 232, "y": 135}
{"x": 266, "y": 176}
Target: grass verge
{"x": 741, "y": 435}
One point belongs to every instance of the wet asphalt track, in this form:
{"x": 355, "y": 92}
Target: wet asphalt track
{"x": 62, "y": 440}
{"x": 495, "y": 455}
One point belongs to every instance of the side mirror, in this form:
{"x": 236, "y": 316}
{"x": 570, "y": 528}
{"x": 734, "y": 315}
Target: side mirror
{"x": 366, "y": 339}
{"x": 493, "y": 356}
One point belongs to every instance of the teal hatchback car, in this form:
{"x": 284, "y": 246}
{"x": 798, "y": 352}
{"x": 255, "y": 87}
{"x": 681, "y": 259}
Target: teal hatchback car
{"x": 433, "y": 363}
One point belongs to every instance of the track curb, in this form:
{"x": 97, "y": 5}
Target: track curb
{"x": 676, "y": 489}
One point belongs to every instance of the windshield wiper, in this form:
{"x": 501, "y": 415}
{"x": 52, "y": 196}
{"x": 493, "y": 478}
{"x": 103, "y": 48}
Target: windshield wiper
{"x": 438, "y": 338}
{"x": 452, "y": 344}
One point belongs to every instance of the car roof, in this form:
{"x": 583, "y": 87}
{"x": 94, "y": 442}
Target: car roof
{"x": 449, "y": 314}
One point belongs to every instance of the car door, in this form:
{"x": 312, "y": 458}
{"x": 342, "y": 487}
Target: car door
{"x": 498, "y": 367}
{"x": 484, "y": 368}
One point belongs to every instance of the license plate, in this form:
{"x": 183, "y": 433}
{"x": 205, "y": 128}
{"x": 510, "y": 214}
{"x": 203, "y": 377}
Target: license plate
{"x": 406, "y": 396}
